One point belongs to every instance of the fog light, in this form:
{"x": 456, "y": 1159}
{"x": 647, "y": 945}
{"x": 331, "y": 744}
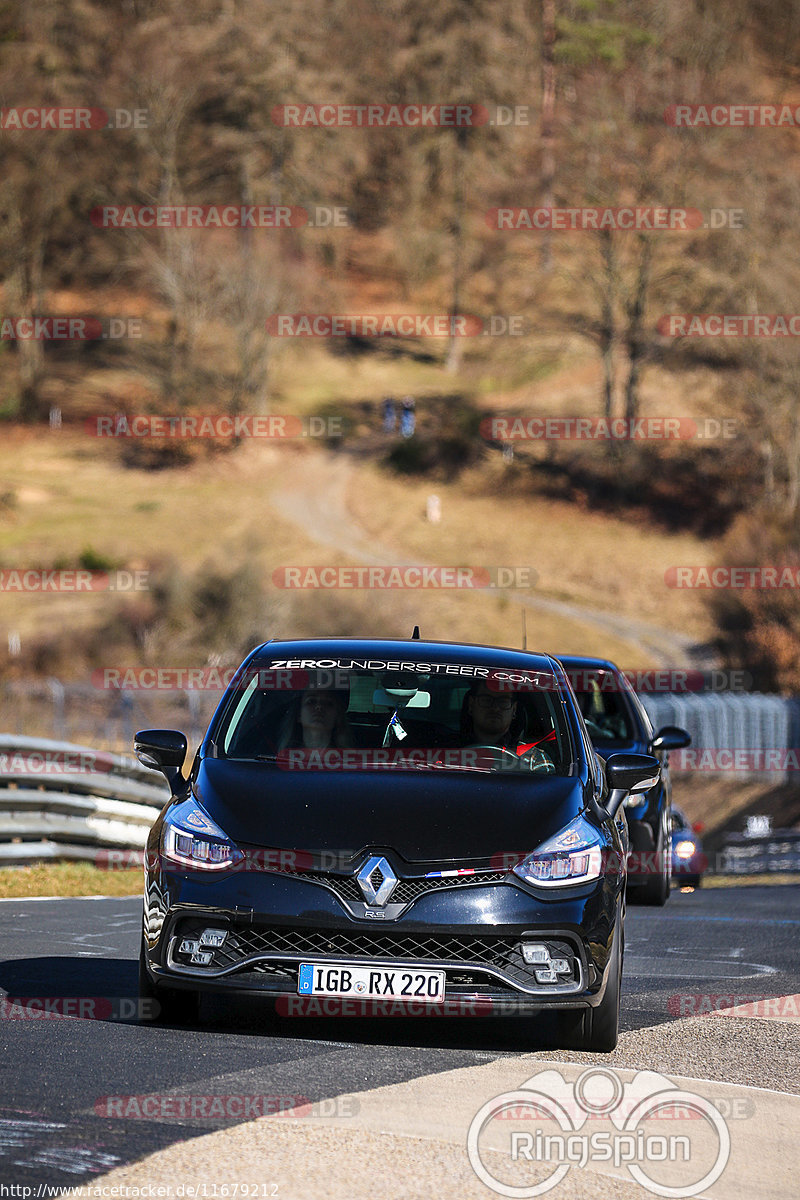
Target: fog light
{"x": 546, "y": 969}
{"x": 545, "y": 975}
{"x": 189, "y": 946}
{"x": 533, "y": 952}
{"x": 213, "y": 938}
{"x": 202, "y": 958}
{"x": 684, "y": 849}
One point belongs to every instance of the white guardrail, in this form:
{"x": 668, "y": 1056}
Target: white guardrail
{"x": 62, "y": 801}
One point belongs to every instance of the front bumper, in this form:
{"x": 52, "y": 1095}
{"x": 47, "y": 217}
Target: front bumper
{"x": 473, "y": 932}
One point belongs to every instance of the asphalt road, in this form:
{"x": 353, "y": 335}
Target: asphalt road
{"x": 713, "y": 949}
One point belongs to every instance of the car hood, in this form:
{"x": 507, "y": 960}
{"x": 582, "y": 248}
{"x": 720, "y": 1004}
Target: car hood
{"x": 424, "y": 817}
{"x": 633, "y": 746}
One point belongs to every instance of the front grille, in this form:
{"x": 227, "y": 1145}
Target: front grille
{"x": 407, "y": 890}
{"x": 497, "y": 955}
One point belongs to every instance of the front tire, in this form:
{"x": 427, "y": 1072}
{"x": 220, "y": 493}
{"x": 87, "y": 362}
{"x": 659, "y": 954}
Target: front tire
{"x": 656, "y": 890}
{"x": 597, "y": 1029}
{"x": 164, "y": 1005}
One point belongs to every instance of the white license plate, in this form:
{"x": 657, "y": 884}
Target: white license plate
{"x": 370, "y": 983}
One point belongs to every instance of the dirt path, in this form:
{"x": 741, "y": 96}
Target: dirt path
{"x": 319, "y": 507}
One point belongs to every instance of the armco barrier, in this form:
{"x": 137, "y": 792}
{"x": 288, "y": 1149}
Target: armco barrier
{"x": 726, "y": 721}
{"x": 59, "y": 800}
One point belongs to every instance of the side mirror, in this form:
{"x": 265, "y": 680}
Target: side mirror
{"x": 632, "y": 772}
{"x": 162, "y": 750}
{"x": 671, "y": 737}
{"x": 626, "y": 773}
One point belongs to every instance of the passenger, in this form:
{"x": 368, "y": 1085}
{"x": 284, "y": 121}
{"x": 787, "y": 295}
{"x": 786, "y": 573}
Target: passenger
{"x": 321, "y": 720}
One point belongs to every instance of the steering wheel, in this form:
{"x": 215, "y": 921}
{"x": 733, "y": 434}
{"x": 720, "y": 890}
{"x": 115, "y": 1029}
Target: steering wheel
{"x": 526, "y": 758}
{"x": 544, "y": 764}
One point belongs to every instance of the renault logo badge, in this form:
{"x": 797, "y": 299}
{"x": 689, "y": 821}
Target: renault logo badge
{"x": 377, "y": 881}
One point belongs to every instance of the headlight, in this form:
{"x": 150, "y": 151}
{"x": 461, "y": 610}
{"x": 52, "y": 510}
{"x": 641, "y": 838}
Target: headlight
{"x": 574, "y": 855}
{"x": 684, "y": 849}
{"x": 191, "y": 839}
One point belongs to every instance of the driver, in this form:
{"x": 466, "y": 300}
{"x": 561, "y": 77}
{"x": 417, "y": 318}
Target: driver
{"x": 493, "y": 718}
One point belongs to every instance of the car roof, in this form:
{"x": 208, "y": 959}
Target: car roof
{"x": 586, "y": 661}
{"x": 411, "y": 650}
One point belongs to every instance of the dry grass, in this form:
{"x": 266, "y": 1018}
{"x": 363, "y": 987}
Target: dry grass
{"x": 594, "y": 560}
{"x": 79, "y": 879}
{"x": 71, "y": 491}
{"x": 67, "y": 879}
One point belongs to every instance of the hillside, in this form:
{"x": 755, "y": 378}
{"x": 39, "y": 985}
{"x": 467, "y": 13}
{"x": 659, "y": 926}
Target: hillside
{"x": 392, "y": 217}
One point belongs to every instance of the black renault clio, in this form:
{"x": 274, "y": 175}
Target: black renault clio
{"x": 394, "y": 826}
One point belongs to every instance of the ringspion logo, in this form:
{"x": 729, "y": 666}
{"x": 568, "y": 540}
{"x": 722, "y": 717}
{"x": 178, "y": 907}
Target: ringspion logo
{"x": 662, "y": 1135}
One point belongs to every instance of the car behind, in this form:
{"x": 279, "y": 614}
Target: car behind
{"x": 618, "y": 723}
{"x": 689, "y": 861}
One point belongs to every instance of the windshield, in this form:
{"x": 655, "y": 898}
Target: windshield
{"x": 600, "y": 698}
{"x": 340, "y": 715}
